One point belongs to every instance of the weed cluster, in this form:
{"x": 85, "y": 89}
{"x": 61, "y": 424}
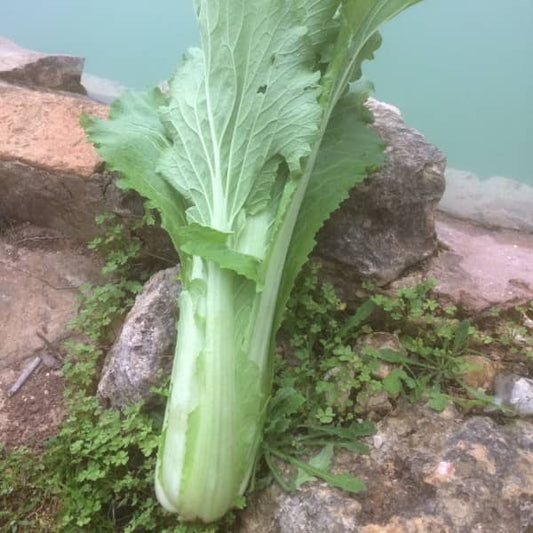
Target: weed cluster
{"x": 326, "y": 372}
{"x": 327, "y": 359}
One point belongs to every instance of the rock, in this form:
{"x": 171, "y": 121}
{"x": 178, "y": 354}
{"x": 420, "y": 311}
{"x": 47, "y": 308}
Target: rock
{"x": 40, "y": 276}
{"x": 101, "y": 89}
{"x": 420, "y": 524}
{"x": 381, "y": 340}
{"x": 388, "y": 223}
{"x": 515, "y": 392}
{"x": 142, "y": 355}
{"x": 49, "y": 174}
{"x": 482, "y": 268}
{"x": 42, "y": 130}
{"x": 312, "y": 510}
{"x": 377, "y": 406}
{"x": 495, "y": 202}
{"x": 429, "y": 472}
{"x": 480, "y": 372}
{"x": 34, "y": 69}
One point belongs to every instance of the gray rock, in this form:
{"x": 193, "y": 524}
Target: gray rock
{"x": 515, "y": 392}
{"x": 494, "y": 202}
{"x": 426, "y": 471}
{"x": 381, "y": 340}
{"x": 315, "y": 509}
{"x": 37, "y": 70}
{"x": 55, "y": 200}
{"x": 101, "y": 89}
{"x": 142, "y": 355}
{"x": 388, "y": 223}
{"x": 377, "y": 406}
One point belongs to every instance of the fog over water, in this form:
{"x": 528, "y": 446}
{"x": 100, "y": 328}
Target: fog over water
{"x": 461, "y": 71}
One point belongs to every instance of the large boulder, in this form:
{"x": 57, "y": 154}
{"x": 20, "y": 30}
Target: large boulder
{"x": 388, "y": 223}
{"x": 35, "y": 69}
{"x": 49, "y": 175}
{"x": 426, "y": 471}
{"x": 142, "y": 355}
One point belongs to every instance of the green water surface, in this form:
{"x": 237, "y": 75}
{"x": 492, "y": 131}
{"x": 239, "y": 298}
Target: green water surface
{"x": 460, "y": 70}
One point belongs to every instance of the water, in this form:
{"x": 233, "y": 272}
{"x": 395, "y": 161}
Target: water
{"x": 460, "y": 70}
{"x": 137, "y": 43}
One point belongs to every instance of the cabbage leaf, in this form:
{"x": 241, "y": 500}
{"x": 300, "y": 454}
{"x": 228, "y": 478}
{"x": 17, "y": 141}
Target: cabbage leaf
{"x": 258, "y": 140}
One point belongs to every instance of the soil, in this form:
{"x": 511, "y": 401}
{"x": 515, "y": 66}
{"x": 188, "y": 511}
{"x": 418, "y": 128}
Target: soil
{"x": 35, "y": 411}
{"x": 40, "y": 274}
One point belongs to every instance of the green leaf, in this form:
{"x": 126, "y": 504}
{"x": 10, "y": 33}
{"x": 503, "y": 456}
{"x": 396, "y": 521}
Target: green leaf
{"x": 131, "y": 142}
{"x": 321, "y": 461}
{"x": 238, "y": 107}
{"x": 460, "y": 339}
{"x": 359, "y": 22}
{"x": 392, "y": 356}
{"x": 363, "y": 313}
{"x": 212, "y": 245}
{"x": 350, "y": 445}
{"x": 392, "y": 384}
{"x": 437, "y": 400}
{"x": 352, "y": 432}
{"x": 342, "y": 481}
{"x": 349, "y": 151}
{"x": 283, "y": 405}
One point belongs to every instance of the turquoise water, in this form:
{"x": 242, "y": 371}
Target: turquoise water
{"x": 135, "y": 42}
{"x": 460, "y": 70}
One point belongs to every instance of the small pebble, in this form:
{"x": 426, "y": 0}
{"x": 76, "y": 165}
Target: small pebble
{"x": 515, "y": 392}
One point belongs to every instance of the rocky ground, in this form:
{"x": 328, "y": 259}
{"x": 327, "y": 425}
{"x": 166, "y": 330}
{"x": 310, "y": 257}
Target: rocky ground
{"x": 426, "y": 472}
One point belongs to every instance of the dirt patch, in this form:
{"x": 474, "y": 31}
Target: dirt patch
{"x": 34, "y": 412}
{"x": 41, "y": 271}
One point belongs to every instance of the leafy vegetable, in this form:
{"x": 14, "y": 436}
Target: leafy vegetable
{"x": 257, "y": 142}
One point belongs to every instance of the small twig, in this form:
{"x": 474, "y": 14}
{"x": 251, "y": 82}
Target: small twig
{"x": 48, "y": 344}
{"x": 48, "y": 358}
{"x": 42, "y": 280}
{"x": 37, "y": 238}
{"x": 36, "y": 361}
